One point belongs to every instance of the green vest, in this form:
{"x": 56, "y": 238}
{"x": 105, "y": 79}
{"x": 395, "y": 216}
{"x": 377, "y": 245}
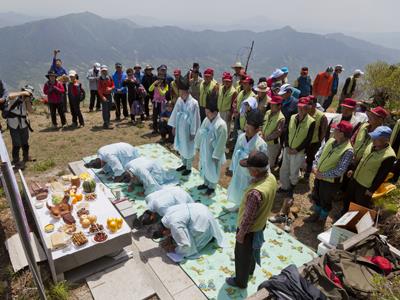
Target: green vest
{"x": 298, "y": 133}
{"x": 174, "y": 88}
{"x": 241, "y": 97}
{"x": 331, "y": 156}
{"x": 267, "y": 188}
{"x": 270, "y": 123}
{"x": 205, "y": 90}
{"x": 370, "y": 164}
{"x": 317, "y": 117}
{"x": 361, "y": 142}
{"x": 225, "y": 99}
{"x": 395, "y": 132}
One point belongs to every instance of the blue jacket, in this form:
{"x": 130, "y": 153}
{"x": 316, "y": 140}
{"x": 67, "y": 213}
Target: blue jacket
{"x": 118, "y": 82}
{"x": 304, "y": 84}
{"x": 335, "y": 83}
{"x": 58, "y": 70}
{"x": 289, "y": 107}
{"x": 139, "y": 76}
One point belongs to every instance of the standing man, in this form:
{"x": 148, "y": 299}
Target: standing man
{"x": 262, "y": 97}
{"x": 247, "y": 142}
{"x": 138, "y": 72}
{"x": 105, "y": 88}
{"x": 322, "y": 87}
{"x": 195, "y": 82}
{"x": 93, "y": 77}
{"x": 195, "y": 69}
{"x": 371, "y": 172}
{"x": 58, "y": 69}
{"x": 206, "y": 88}
{"x": 274, "y": 125}
{"x": 211, "y": 141}
{"x": 304, "y": 83}
{"x": 289, "y": 103}
{"x": 185, "y": 121}
{"x": 55, "y": 93}
{"x": 335, "y": 85}
{"x": 120, "y": 93}
{"x": 349, "y": 87}
{"x": 16, "y": 110}
{"x": 329, "y": 167}
{"x": 147, "y": 81}
{"x": 300, "y": 133}
{"x": 3, "y": 96}
{"x": 348, "y": 114}
{"x": 226, "y": 97}
{"x": 174, "y": 86}
{"x": 162, "y": 72}
{"x": 321, "y": 126}
{"x": 237, "y": 76}
{"x": 255, "y": 207}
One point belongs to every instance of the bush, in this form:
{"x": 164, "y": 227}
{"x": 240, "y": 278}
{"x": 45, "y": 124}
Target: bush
{"x": 44, "y": 165}
{"x": 59, "y": 291}
{"x": 386, "y": 289}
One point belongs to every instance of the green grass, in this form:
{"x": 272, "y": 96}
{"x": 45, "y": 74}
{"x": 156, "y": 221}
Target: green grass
{"x": 44, "y": 165}
{"x": 59, "y": 291}
{"x": 390, "y": 202}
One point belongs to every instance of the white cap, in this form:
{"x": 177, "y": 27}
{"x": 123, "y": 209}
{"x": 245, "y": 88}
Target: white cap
{"x": 103, "y": 68}
{"x": 96, "y": 65}
{"x": 358, "y": 72}
{"x": 284, "y": 88}
{"x": 72, "y": 73}
{"x": 340, "y": 67}
{"x": 277, "y": 73}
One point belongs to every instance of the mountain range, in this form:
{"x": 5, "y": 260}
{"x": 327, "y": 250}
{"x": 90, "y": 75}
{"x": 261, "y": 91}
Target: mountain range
{"x": 84, "y": 38}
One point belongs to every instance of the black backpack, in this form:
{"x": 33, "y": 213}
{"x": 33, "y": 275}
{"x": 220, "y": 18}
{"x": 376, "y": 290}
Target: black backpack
{"x": 82, "y": 93}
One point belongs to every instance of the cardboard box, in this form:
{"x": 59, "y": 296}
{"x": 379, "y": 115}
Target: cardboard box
{"x": 356, "y": 220}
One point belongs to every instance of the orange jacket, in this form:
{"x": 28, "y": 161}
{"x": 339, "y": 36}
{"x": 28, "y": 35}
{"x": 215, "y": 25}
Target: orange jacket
{"x": 322, "y": 84}
{"x": 105, "y": 86}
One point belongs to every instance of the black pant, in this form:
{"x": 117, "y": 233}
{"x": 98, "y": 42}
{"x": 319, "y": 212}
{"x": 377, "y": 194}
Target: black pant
{"x": 328, "y": 102}
{"x": 202, "y": 113}
{"x": 166, "y": 132}
{"x": 74, "y": 104}
{"x": 156, "y": 115}
{"x": 324, "y": 193}
{"x": 146, "y": 105}
{"x": 396, "y": 171}
{"x": 64, "y": 99}
{"x": 311, "y": 150}
{"x": 120, "y": 99}
{"x": 94, "y": 98}
{"x": 244, "y": 260}
{"x": 54, "y": 108}
{"x": 355, "y": 193}
{"x": 20, "y": 139}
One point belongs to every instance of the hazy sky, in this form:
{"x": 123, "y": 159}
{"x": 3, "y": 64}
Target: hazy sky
{"x": 312, "y": 15}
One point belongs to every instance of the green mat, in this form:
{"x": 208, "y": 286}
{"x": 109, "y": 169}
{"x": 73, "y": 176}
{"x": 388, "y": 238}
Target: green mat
{"x": 209, "y": 271}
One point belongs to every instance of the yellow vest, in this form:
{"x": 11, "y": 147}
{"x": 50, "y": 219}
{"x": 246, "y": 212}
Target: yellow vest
{"x": 317, "y": 117}
{"x": 271, "y": 122}
{"x": 331, "y": 156}
{"x": 361, "y": 142}
{"x": 267, "y": 188}
{"x": 225, "y": 99}
{"x": 370, "y": 164}
{"x": 241, "y": 97}
{"x": 205, "y": 90}
{"x": 298, "y": 133}
{"x": 395, "y": 132}
{"x": 174, "y": 88}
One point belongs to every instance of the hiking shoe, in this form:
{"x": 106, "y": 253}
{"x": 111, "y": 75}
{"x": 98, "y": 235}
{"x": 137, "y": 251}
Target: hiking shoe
{"x": 186, "y": 172}
{"x": 278, "y": 219}
{"x": 288, "y": 225}
{"x": 282, "y": 191}
{"x": 312, "y": 219}
{"x": 181, "y": 168}
{"x": 232, "y": 282}
{"x": 202, "y": 187}
{"x": 209, "y": 192}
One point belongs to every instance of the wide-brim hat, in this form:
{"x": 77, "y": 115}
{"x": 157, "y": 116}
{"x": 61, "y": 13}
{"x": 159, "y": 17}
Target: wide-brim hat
{"x": 50, "y": 73}
{"x": 237, "y": 64}
{"x": 262, "y": 87}
{"x": 148, "y": 67}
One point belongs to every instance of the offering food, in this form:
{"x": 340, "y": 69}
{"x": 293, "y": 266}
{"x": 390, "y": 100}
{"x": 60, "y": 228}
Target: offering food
{"x": 82, "y": 211}
{"x": 75, "y": 181}
{"x": 114, "y": 224}
{"x": 68, "y": 229}
{"x": 85, "y": 223}
{"x": 57, "y": 187}
{"x": 89, "y": 185}
{"x": 96, "y": 228}
{"x": 90, "y": 197}
{"x": 92, "y": 219}
{"x": 83, "y": 217}
{"x": 38, "y": 191}
{"x": 67, "y": 178}
{"x": 49, "y": 228}
{"x": 85, "y": 176}
{"x": 57, "y": 198}
{"x": 100, "y": 237}
{"x": 76, "y": 198}
{"x": 68, "y": 218}
{"x": 58, "y": 240}
{"x": 79, "y": 238}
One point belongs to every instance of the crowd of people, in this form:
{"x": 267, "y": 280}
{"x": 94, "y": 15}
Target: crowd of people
{"x": 273, "y": 129}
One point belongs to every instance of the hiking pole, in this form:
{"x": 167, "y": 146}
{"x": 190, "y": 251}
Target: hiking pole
{"x": 248, "y": 57}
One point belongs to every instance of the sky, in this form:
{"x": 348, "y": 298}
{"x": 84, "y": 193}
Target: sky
{"x": 306, "y": 15}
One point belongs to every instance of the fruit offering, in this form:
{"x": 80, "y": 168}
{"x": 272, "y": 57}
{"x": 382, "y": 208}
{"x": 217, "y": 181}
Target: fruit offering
{"x": 85, "y": 223}
{"x": 76, "y": 198}
{"x": 75, "y": 181}
{"x": 114, "y": 224}
{"x": 89, "y": 185}
{"x": 100, "y": 237}
{"x": 79, "y": 238}
{"x": 90, "y": 197}
{"x": 96, "y": 228}
{"x": 56, "y": 198}
{"x": 85, "y": 176}
{"x": 92, "y": 219}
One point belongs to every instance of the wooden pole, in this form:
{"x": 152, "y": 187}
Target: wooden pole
{"x": 248, "y": 57}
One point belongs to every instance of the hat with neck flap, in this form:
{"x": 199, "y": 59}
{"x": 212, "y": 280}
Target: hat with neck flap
{"x": 255, "y": 118}
{"x": 212, "y": 101}
{"x": 183, "y": 84}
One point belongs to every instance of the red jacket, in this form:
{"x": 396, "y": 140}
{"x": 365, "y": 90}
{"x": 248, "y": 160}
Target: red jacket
{"x": 105, "y": 86}
{"x": 54, "y": 92}
{"x": 322, "y": 84}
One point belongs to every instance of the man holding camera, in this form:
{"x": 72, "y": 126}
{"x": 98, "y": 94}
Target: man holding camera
{"x": 15, "y": 112}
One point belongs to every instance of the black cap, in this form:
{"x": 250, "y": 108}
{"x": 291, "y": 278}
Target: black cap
{"x": 183, "y": 84}
{"x": 162, "y": 67}
{"x": 256, "y": 159}
{"x": 51, "y": 73}
{"x": 212, "y": 101}
{"x": 255, "y": 118}
{"x": 118, "y": 65}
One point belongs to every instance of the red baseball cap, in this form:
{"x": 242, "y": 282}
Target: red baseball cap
{"x": 344, "y": 126}
{"x": 349, "y": 102}
{"x": 226, "y": 76}
{"x": 379, "y": 112}
{"x": 276, "y": 100}
{"x": 177, "y": 72}
{"x": 208, "y": 72}
{"x": 303, "y": 101}
{"x": 247, "y": 79}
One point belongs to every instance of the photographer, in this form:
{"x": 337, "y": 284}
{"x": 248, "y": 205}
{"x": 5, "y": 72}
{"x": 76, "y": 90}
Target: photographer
{"x": 17, "y": 106}
{"x": 3, "y": 96}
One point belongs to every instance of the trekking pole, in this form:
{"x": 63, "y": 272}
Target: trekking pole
{"x": 248, "y": 57}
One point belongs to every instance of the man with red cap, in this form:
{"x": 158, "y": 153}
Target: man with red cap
{"x": 208, "y": 86}
{"x": 274, "y": 125}
{"x": 226, "y": 96}
{"x": 348, "y": 114}
{"x": 330, "y": 165}
{"x": 361, "y": 138}
{"x": 174, "y": 86}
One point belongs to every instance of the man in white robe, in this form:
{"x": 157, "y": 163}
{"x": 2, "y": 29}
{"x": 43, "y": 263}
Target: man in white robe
{"x": 247, "y": 142}
{"x": 188, "y": 228}
{"x": 150, "y": 174}
{"x": 185, "y": 121}
{"x": 113, "y": 158}
{"x": 211, "y": 141}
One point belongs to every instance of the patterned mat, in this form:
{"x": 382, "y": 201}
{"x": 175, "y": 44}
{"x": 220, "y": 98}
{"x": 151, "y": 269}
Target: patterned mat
{"x": 209, "y": 271}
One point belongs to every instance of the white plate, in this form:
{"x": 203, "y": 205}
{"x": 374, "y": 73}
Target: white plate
{"x": 94, "y": 241}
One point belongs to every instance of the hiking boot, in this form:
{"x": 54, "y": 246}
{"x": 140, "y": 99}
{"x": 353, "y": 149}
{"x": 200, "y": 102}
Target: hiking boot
{"x": 186, "y": 172}
{"x": 282, "y": 191}
{"x": 288, "y": 225}
{"x": 202, "y": 187}
{"x": 312, "y": 219}
{"x": 278, "y": 219}
{"x": 209, "y": 192}
{"x": 181, "y": 168}
{"x": 232, "y": 282}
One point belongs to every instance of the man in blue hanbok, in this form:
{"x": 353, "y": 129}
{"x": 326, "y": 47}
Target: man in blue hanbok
{"x": 247, "y": 142}
{"x": 150, "y": 174}
{"x": 113, "y": 158}
{"x": 211, "y": 141}
{"x": 185, "y": 121}
{"x": 188, "y": 228}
